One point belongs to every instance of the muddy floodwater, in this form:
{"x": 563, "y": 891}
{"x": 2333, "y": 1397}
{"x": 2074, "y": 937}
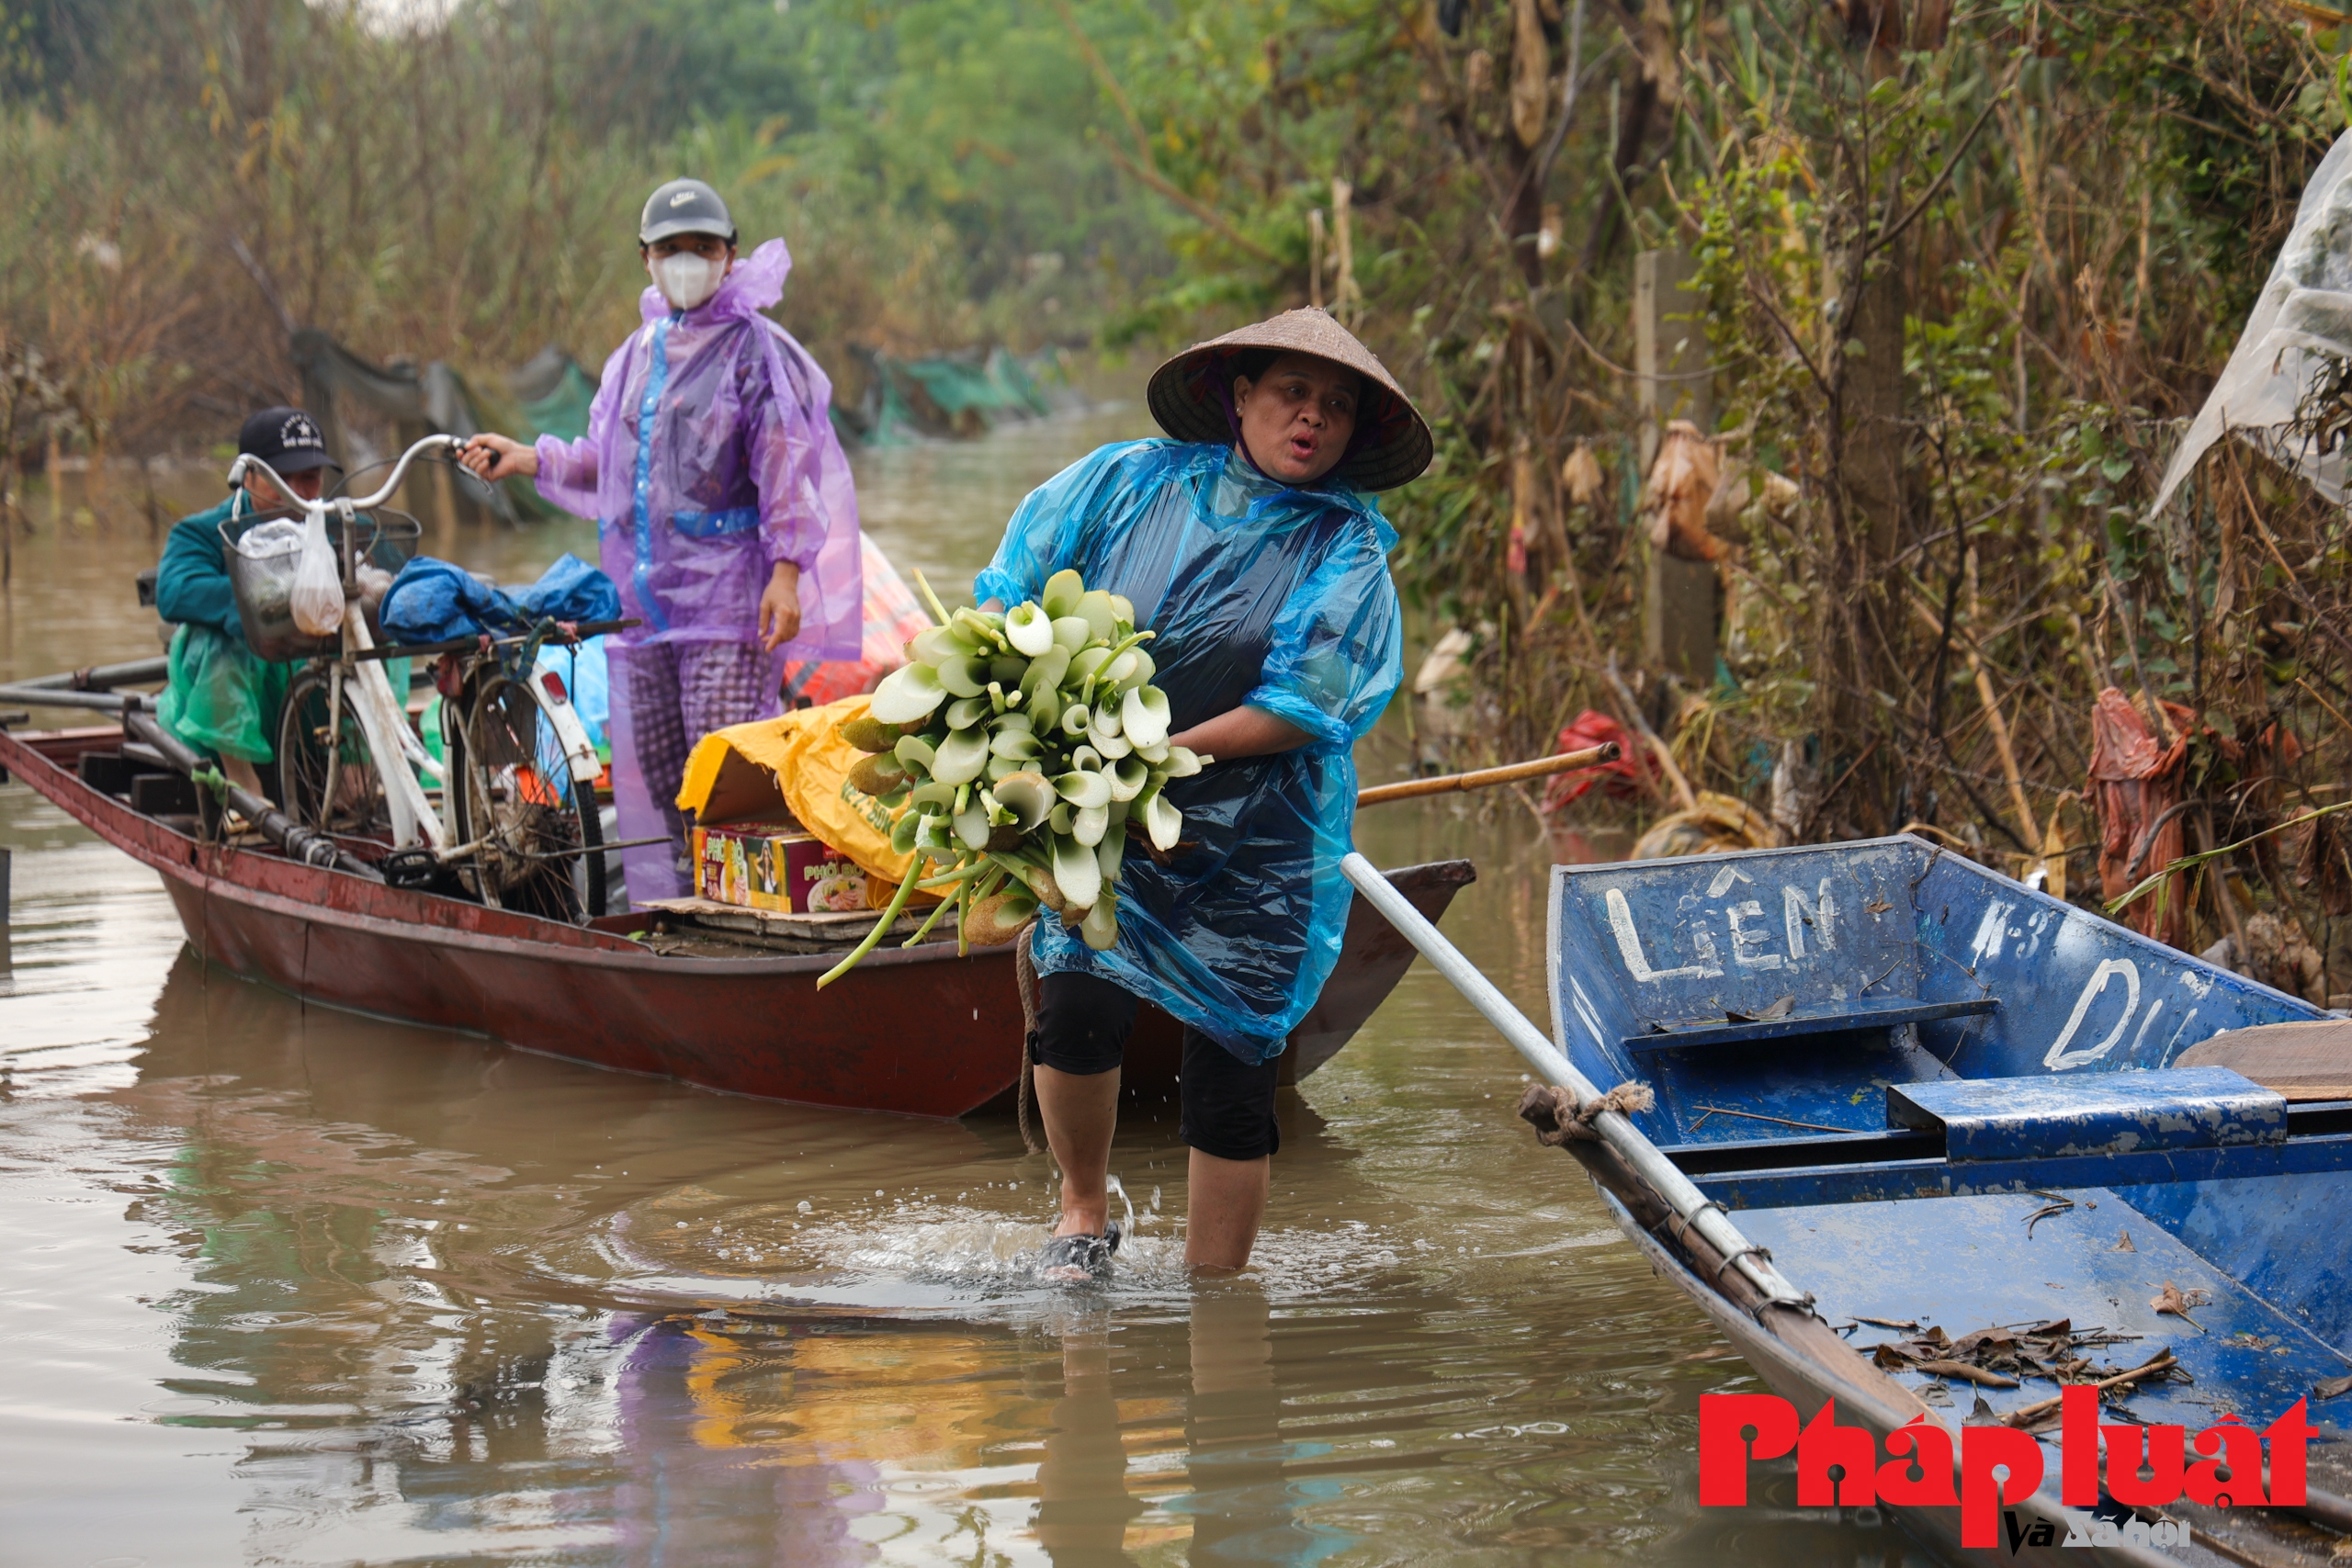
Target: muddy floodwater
{"x": 284, "y": 1285}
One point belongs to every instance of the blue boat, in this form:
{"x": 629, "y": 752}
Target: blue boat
{"x": 1875, "y": 1098}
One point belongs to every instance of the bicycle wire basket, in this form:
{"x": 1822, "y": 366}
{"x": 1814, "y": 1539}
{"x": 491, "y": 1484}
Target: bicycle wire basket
{"x": 263, "y": 586}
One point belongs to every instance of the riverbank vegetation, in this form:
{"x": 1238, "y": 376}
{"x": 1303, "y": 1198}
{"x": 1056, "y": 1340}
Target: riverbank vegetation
{"x": 1956, "y": 272}
{"x": 192, "y": 180}
{"x": 1959, "y": 271}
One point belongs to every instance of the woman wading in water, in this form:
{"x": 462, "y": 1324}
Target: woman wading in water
{"x": 1250, "y": 545}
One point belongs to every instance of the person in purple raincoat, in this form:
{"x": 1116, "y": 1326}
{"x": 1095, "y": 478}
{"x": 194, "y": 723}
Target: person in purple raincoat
{"x": 723, "y": 505}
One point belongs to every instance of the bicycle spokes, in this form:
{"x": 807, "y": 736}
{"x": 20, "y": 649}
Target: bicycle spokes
{"x": 532, "y": 827}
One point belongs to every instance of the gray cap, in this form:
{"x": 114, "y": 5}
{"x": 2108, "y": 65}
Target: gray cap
{"x": 685, "y": 206}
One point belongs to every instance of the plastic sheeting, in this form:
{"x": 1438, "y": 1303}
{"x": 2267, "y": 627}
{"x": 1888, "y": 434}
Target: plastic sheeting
{"x": 1632, "y": 772}
{"x": 892, "y": 619}
{"x": 1261, "y": 595}
{"x": 222, "y": 697}
{"x": 2136, "y": 782}
{"x": 434, "y": 600}
{"x": 710, "y": 457}
{"x": 2303, "y": 321}
{"x": 588, "y": 678}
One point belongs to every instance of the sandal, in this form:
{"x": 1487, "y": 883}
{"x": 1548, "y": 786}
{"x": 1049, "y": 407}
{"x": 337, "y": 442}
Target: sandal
{"x": 1078, "y": 1259}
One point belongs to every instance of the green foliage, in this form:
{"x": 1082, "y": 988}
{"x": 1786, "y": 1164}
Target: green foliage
{"x": 469, "y": 190}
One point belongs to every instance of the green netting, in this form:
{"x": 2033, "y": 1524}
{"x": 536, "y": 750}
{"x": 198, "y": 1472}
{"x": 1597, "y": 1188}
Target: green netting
{"x": 554, "y": 394}
{"x": 949, "y": 396}
{"x": 338, "y": 384}
{"x": 1015, "y": 378}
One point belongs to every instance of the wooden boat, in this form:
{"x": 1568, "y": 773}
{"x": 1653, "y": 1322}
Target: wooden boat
{"x": 918, "y": 1030}
{"x": 1894, "y": 1095}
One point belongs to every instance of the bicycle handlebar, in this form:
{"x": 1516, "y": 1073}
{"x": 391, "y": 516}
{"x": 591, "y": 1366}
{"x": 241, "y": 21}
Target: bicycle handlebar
{"x": 584, "y": 630}
{"x": 247, "y": 463}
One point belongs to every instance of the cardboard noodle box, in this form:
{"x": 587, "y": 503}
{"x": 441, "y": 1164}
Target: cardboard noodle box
{"x": 761, "y": 867}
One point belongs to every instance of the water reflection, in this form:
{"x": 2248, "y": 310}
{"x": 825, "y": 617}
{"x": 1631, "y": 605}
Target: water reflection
{"x": 1242, "y": 1510}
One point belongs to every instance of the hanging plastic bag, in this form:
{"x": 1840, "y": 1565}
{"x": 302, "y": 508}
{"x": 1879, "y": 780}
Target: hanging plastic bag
{"x": 317, "y": 601}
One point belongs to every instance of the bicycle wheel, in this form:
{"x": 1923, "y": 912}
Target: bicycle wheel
{"x": 332, "y": 789}
{"x": 541, "y": 841}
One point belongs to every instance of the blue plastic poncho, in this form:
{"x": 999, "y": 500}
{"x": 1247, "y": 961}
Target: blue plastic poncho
{"x": 1261, "y": 595}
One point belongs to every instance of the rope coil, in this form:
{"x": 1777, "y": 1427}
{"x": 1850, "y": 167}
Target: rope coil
{"x": 1682, "y": 1222}
{"x": 1751, "y": 1250}
{"x": 1556, "y": 1117}
{"x": 1025, "y": 971}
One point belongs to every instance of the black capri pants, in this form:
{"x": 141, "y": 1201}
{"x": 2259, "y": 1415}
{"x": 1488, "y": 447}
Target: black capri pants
{"x": 1226, "y": 1106}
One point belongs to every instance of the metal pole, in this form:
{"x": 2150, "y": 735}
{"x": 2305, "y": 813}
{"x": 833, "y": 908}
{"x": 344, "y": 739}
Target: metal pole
{"x": 101, "y": 677}
{"x": 301, "y": 843}
{"x": 5, "y": 853}
{"x": 66, "y": 697}
{"x": 1695, "y": 1208}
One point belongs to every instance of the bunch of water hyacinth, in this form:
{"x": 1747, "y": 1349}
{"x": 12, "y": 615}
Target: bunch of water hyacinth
{"x": 1024, "y": 746}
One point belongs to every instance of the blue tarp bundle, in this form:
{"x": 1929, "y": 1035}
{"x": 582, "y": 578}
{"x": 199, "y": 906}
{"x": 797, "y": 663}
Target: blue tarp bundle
{"x": 434, "y": 600}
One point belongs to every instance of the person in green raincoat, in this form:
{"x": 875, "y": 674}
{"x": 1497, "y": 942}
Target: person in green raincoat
{"x": 222, "y": 698}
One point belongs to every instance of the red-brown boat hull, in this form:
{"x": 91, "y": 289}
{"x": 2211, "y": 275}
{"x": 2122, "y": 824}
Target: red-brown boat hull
{"x": 921, "y": 1032}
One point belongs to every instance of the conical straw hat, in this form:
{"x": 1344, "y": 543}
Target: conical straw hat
{"x": 1191, "y": 395}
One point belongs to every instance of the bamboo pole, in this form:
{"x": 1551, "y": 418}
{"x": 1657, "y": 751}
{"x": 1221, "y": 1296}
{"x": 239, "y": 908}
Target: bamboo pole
{"x": 1591, "y": 756}
{"x": 1659, "y": 748}
{"x": 1315, "y": 258}
{"x": 1347, "y": 300}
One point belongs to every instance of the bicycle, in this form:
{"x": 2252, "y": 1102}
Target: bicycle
{"x": 520, "y": 828}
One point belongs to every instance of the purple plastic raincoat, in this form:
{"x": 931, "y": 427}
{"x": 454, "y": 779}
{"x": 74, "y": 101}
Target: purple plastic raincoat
{"x": 709, "y": 457}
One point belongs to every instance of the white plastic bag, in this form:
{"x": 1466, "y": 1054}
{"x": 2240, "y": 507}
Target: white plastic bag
{"x": 2296, "y": 338}
{"x": 268, "y": 541}
{"x": 317, "y": 600}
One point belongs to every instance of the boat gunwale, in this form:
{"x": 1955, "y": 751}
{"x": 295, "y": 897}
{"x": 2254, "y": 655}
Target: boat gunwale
{"x": 127, "y": 829}
{"x": 1757, "y": 1343}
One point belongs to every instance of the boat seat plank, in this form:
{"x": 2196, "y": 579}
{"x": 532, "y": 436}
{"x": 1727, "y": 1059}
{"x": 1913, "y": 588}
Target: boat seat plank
{"x": 106, "y": 772}
{"x": 162, "y": 795}
{"x": 2300, "y": 1061}
{"x": 2065, "y": 1114}
{"x": 802, "y": 932}
{"x": 1912, "y": 1162}
{"x": 1879, "y": 1013}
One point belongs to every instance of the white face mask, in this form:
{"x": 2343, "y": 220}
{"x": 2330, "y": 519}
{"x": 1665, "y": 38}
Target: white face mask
{"x": 686, "y": 279}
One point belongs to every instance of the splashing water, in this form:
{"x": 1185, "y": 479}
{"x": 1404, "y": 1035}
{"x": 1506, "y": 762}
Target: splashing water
{"x": 922, "y": 1256}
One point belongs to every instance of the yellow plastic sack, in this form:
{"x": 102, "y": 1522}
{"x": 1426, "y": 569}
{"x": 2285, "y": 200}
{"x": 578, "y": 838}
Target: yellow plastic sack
{"x": 800, "y": 762}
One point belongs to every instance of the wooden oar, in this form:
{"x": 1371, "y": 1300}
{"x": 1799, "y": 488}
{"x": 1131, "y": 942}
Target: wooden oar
{"x": 1591, "y": 756}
